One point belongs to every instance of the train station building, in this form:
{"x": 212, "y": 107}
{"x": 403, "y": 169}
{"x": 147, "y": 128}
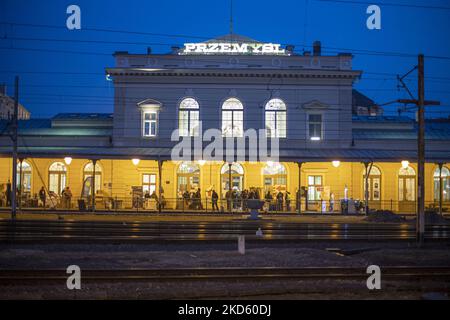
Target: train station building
{"x": 329, "y": 135}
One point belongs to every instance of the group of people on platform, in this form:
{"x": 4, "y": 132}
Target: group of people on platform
{"x": 154, "y": 197}
{"x": 43, "y": 199}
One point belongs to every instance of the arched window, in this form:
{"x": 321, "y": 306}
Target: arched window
{"x": 24, "y": 180}
{"x": 188, "y": 177}
{"x": 237, "y": 177}
{"x": 188, "y": 118}
{"x": 406, "y": 189}
{"x": 374, "y": 186}
{"x": 232, "y": 118}
{"x": 57, "y": 177}
{"x": 89, "y": 171}
{"x": 275, "y": 177}
{"x": 445, "y": 184}
{"x": 275, "y": 115}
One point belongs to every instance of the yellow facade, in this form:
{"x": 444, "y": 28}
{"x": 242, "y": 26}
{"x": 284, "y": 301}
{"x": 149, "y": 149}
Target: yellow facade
{"x": 119, "y": 176}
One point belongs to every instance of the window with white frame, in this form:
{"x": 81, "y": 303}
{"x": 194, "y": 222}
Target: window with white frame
{"x": 275, "y": 115}
{"x": 232, "y": 118}
{"x": 315, "y": 127}
{"x": 148, "y": 183}
{"x": 150, "y": 123}
{"x": 188, "y": 118}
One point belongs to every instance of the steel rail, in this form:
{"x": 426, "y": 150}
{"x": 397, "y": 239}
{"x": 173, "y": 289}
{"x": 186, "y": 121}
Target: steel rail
{"x": 401, "y": 273}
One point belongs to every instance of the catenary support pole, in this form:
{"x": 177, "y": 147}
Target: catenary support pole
{"x": 441, "y": 187}
{"x": 14, "y": 137}
{"x": 420, "y": 227}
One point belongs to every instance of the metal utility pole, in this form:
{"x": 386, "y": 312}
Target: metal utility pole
{"x": 420, "y": 103}
{"x": 420, "y": 227}
{"x": 14, "y": 135}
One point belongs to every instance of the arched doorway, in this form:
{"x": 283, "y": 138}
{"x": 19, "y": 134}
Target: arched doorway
{"x": 57, "y": 177}
{"x": 275, "y": 177}
{"x": 445, "y": 184}
{"x": 88, "y": 171}
{"x": 407, "y": 189}
{"x": 237, "y": 177}
{"x": 188, "y": 177}
{"x": 374, "y": 187}
{"x": 24, "y": 179}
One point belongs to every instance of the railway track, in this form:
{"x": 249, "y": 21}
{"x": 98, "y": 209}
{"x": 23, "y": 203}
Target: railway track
{"x": 398, "y": 273}
{"x": 39, "y": 231}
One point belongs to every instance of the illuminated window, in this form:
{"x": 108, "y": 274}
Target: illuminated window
{"x": 237, "y": 177}
{"x": 150, "y": 119}
{"x": 232, "y": 118}
{"x": 276, "y": 118}
{"x": 315, "y": 127}
{"x": 406, "y": 184}
{"x": 314, "y": 188}
{"x": 188, "y": 177}
{"x": 275, "y": 177}
{"x": 148, "y": 183}
{"x": 188, "y": 118}
{"x": 445, "y": 184}
{"x": 24, "y": 180}
{"x": 57, "y": 177}
{"x": 374, "y": 184}
{"x": 89, "y": 171}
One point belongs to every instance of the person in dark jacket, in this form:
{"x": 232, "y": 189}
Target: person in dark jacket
{"x": 214, "y": 199}
{"x": 42, "y": 196}
{"x": 8, "y": 193}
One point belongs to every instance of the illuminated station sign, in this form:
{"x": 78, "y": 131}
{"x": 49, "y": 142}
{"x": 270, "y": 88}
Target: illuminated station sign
{"x": 233, "y": 48}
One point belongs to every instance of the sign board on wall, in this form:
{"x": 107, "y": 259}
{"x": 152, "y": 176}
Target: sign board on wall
{"x": 233, "y": 48}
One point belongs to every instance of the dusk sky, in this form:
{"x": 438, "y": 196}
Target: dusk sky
{"x": 63, "y": 71}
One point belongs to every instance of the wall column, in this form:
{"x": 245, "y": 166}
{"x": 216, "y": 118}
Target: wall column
{"x": 299, "y": 192}
{"x": 94, "y": 162}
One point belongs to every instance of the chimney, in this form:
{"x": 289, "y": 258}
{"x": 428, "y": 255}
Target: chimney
{"x": 317, "y": 48}
{"x": 3, "y": 89}
{"x": 149, "y": 50}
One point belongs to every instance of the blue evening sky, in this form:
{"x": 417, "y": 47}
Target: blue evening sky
{"x": 68, "y": 76}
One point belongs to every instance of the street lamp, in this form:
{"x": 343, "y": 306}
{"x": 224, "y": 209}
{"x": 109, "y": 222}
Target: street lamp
{"x": 68, "y": 160}
{"x": 405, "y": 164}
{"x": 336, "y": 163}
{"x": 135, "y": 161}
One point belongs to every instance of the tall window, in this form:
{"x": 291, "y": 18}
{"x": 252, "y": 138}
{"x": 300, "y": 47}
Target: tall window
{"x": 275, "y": 177}
{"x": 57, "y": 177}
{"x": 406, "y": 184}
{"x": 374, "y": 184}
{"x": 314, "y": 188}
{"x": 237, "y": 177}
{"x": 89, "y": 172}
{"x": 148, "y": 183}
{"x": 24, "y": 180}
{"x": 232, "y": 118}
{"x": 188, "y": 118}
{"x": 445, "y": 184}
{"x": 188, "y": 176}
{"x": 315, "y": 127}
{"x": 150, "y": 119}
{"x": 276, "y": 118}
